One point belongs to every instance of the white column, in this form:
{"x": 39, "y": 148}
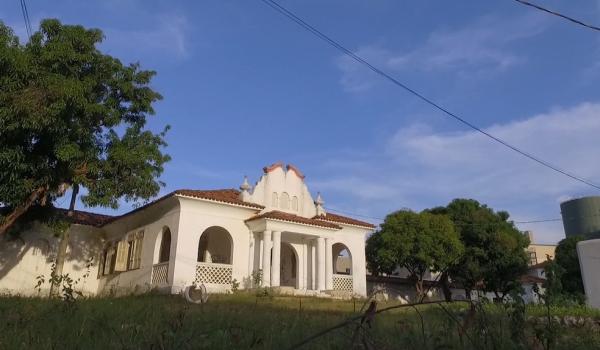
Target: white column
{"x": 313, "y": 270}
{"x": 328, "y": 265}
{"x": 251, "y": 254}
{"x": 321, "y": 263}
{"x": 266, "y": 260}
{"x": 304, "y": 280}
{"x": 275, "y": 269}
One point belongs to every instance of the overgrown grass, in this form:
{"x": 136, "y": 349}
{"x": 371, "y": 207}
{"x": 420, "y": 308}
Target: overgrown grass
{"x": 244, "y": 321}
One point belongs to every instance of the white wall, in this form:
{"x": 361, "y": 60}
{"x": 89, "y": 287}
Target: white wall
{"x": 589, "y": 261}
{"x": 354, "y": 238}
{"x": 151, "y": 220}
{"x": 34, "y": 251}
{"x": 195, "y": 217}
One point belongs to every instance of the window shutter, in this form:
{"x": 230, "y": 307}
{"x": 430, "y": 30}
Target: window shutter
{"x": 108, "y": 261}
{"x": 101, "y": 263}
{"x": 137, "y": 261}
{"x": 122, "y": 250}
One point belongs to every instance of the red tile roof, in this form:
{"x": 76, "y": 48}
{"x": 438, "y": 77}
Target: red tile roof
{"x": 532, "y": 279}
{"x": 343, "y": 220}
{"x": 85, "y": 218}
{"x": 279, "y": 215}
{"x": 272, "y": 167}
{"x": 230, "y": 196}
{"x": 295, "y": 170}
{"x": 539, "y": 265}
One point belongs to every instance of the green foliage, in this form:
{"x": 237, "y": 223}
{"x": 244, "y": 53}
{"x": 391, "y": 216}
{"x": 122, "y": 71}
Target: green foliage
{"x": 568, "y": 263}
{"x": 65, "y": 282}
{"x": 494, "y": 248}
{"x": 69, "y": 115}
{"x": 415, "y": 241}
{"x": 257, "y": 278}
{"x": 242, "y": 321}
{"x": 235, "y": 285}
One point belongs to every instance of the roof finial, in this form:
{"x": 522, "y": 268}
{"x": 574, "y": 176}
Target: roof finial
{"x": 319, "y": 203}
{"x": 245, "y": 186}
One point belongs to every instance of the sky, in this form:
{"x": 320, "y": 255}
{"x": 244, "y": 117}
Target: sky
{"x": 245, "y": 87}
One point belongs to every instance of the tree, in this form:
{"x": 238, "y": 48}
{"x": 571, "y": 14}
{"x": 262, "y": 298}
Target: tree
{"x": 72, "y": 117}
{"x": 567, "y": 259}
{"x": 494, "y": 257}
{"x": 415, "y": 241}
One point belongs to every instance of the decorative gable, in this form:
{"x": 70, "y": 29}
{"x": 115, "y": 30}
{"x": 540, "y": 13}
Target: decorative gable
{"x": 283, "y": 189}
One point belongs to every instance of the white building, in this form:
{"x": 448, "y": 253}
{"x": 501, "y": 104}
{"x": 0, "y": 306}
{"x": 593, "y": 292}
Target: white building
{"x": 273, "y": 233}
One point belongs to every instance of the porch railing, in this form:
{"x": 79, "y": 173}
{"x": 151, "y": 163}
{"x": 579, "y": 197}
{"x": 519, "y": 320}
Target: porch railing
{"x": 343, "y": 283}
{"x": 160, "y": 272}
{"x": 214, "y": 273}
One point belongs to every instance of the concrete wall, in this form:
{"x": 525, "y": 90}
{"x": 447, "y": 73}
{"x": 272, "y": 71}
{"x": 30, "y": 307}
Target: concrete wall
{"x": 589, "y": 260}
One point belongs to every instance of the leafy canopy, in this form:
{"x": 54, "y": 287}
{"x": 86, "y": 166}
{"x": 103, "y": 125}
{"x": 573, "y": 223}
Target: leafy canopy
{"x": 71, "y": 115}
{"x": 568, "y": 261}
{"x": 415, "y": 241}
{"x": 495, "y": 254}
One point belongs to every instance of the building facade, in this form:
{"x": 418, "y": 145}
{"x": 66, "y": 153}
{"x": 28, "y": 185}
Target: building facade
{"x": 272, "y": 234}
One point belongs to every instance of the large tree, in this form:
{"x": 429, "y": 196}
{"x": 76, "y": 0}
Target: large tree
{"x": 416, "y": 241}
{"x": 495, "y": 254}
{"x": 568, "y": 261}
{"x": 72, "y": 117}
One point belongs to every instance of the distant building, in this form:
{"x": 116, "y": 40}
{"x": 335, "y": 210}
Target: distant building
{"x": 581, "y": 216}
{"x": 538, "y": 253}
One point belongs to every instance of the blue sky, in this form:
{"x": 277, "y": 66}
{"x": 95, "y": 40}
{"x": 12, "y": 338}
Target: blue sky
{"x": 244, "y": 87}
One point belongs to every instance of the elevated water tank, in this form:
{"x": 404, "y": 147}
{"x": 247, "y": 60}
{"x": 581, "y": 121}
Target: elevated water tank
{"x": 581, "y": 216}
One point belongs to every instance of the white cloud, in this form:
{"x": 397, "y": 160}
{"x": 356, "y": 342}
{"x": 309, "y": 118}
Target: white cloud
{"x": 166, "y": 35}
{"x": 482, "y": 46}
{"x": 420, "y": 168}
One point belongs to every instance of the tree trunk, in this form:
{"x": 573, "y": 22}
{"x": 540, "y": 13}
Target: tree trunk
{"x": 468, "y": 293}
{"x": 62, "y": 246}
{"x": 419, "y": 288}
{"x": 16, "y": 213}
{"x": 445, "y": 286}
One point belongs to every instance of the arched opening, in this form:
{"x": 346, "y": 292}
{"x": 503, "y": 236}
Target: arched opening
{"x": 288, "y": 267}
{"x": 215, "y": 246}
{"x": 342, "y": 259}
{"x": 274, "y": 201}
{"x": 164, "y": 252}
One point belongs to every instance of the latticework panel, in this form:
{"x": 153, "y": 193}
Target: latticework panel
{"x": 343, "y": 282}
{"x": 214, "y": 273}
{"x": 159, "y": 273}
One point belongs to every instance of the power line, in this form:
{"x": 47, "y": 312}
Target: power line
{"x": 570, "y": 19}
{"x": 282, "y": 10}
{"x": 26, "y": 18}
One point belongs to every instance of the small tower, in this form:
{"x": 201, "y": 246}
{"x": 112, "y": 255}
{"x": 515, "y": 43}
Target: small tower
{"x": 319, "y": 203}
{"x": 245, "y": 187}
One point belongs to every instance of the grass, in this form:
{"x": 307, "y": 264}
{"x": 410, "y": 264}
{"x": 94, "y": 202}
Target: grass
{"x": 243, "y": 321}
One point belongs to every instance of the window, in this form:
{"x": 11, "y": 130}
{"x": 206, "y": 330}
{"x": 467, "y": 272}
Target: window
{"x": 134, "y": 250}
{"x": 165, "y": 246}
{"x": 107, "y": 260}
{"x": 284, "y": 201}
{"x": 122, "y": 256}
{"x": 274, "y": 200}
{"x": 295, "y": 203}
{"x": 532, "y": 258}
